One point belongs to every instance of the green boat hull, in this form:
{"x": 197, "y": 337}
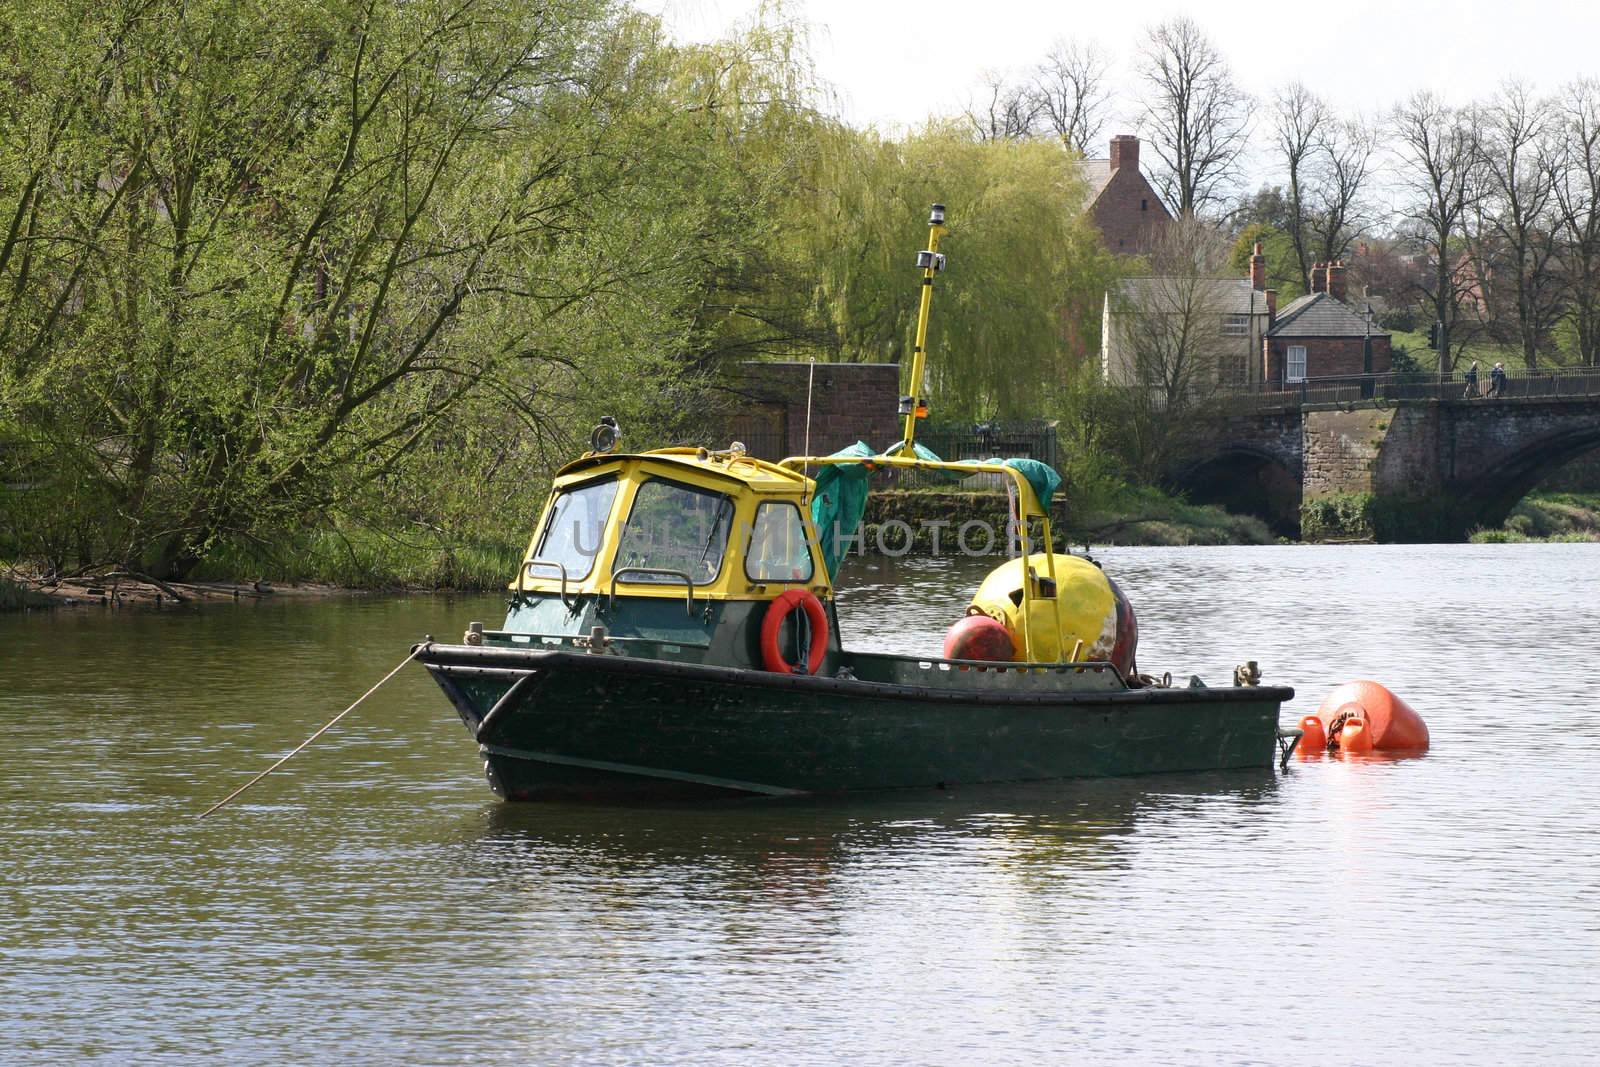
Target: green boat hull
{"x": 560, "y": 723}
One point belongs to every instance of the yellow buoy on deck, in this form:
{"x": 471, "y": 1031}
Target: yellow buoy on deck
{"x": 1082, "y": 617}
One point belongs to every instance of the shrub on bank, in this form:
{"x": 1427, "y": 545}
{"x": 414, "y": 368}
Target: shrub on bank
{"x": 1547, "y": 517}
{"x": 1337, "y": 517}
{"x": 15, "y": 597}
{"x": 368, "y": 559}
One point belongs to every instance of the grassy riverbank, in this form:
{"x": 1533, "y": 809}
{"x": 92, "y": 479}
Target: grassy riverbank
{"x": 1146, "y": 516}
{"x": 317, "y": 563}
{"x": 327, "y": 561}
{"x": 370, "y": 560}
{"x": 1548, "y": 517}
{"x": 359, "y": 559}
{"x": 1134, "y": 516}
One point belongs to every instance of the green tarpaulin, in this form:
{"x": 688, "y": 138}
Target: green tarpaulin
{"x": 1041, "y": 476}
{"x": 840, "y": 503}
{"x": 841, "y": 494}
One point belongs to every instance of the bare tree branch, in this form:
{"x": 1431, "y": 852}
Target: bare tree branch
{"x": 1072, "y": 94}
{"x": 1004, "y": 110}
{"x": 1298, "y": 116}
{"x": 1440, "y": 175}
{"x": 1195, "y": 113}
{"x": 1577, "y": 198}
{"x": 1514, "y": 227}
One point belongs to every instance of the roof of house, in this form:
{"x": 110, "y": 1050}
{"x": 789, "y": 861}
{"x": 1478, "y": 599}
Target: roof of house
{"x": 1230, "y": 296}
{"x": 1096, "y": 174}
{"x": 1320, "y": 315}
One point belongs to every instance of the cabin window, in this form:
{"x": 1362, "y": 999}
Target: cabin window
{"x": 778, "y": 550}
{"x": 1236, "y": 325}
{"x": 1144, "y": 205}
{"x": 575, "y": 530}
{"x": 675, "y": 527}
{"x": 1296, "y": 370}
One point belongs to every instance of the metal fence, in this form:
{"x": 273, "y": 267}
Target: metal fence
{"x": 762, "y": 444}
{"x": 1352, "y": 388}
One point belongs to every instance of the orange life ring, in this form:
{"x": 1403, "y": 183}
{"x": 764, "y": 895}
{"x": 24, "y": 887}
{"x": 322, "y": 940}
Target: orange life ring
{"x": 771, "y": 658}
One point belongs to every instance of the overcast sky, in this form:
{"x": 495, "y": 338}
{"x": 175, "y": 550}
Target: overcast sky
{"x": 895, "y": 63}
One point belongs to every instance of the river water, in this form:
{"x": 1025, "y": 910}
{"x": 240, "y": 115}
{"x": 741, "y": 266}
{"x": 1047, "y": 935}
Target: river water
{"x": 373, "y": 901}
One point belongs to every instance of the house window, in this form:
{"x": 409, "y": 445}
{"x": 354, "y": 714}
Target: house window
{"x": 1236, "y": 325}
{"x": 1144, "y": 205}
{"x": 1296, "y": 369}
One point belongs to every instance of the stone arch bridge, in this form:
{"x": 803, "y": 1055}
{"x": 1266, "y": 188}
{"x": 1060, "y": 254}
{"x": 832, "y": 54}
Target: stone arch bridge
{"x": 1427, "y": 468}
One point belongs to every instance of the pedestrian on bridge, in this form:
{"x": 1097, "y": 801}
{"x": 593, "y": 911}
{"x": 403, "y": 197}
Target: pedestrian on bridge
{"x": 1471, "y": 392}
{"x": 1497, "y": 380}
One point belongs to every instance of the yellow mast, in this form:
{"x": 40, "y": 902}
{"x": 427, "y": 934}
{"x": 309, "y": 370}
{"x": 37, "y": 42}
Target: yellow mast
{"x": 915, "y": 405}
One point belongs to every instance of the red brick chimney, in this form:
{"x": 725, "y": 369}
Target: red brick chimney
{"x": 1258, "y": 270}
{"x": 1336, "y": 280}
{"x": 1124, "y": 151}
{"x": 1272, "y": 307}
{"x": 1319, "y": 278}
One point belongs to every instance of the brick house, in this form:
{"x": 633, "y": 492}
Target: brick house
{"x": 1121, "y": 202}
{"x": 1320, "y": 335}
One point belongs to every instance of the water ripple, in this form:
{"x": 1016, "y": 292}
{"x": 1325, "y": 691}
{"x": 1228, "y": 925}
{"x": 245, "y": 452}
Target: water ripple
{"x": 372, "y": 902}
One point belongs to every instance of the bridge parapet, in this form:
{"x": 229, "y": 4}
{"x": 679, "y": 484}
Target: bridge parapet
{"x": 1435, "y": 467}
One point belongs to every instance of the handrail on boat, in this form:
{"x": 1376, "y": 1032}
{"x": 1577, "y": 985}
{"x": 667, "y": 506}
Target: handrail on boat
{"x": 688, "y": 583}
{"x": 1028, "y": 507}
{"x": 557, "y": 564}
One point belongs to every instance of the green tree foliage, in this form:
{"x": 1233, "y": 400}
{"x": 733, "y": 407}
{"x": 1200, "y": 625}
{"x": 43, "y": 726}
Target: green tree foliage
{"x": 268, "y": 260}
{"x": 280, "y": 266}
{"x": 278, "y": 245}
{"x": 1019, "y": 304}
{"x": 1283, "y": 273}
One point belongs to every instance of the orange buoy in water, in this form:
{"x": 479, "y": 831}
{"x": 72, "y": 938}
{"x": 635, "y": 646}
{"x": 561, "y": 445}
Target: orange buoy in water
{"x": 1313, "y": 738}
{"x": 1389, "y": 724}
{"x": 979, "y": 637}
{"x": 1354, "y": 735}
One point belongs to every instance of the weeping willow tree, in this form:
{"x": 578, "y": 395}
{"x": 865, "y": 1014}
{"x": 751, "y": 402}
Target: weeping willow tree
{"x": 274, "y": 265}
{"x": 1019, "y": 304}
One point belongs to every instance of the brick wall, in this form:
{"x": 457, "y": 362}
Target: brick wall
{"x": 1327, "y": 356}
{"x": 1128, "y": 213}
{"x": 850, "y": 402}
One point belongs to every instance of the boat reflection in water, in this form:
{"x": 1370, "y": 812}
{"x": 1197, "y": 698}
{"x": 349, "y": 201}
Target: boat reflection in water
{"x": 1048, "y": 834}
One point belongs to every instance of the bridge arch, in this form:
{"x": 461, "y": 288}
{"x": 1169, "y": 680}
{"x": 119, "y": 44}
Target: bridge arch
{"x": 1487, "y": 498}
{"x": 1248, "y": 479}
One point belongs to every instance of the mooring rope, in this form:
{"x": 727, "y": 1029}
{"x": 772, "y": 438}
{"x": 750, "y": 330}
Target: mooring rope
{"x": 325, "y": 728}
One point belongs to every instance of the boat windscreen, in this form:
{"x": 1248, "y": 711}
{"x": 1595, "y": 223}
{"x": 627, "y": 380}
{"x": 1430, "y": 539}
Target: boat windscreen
{"x": 675, "y": 527}
{"x": 576, "y": 528}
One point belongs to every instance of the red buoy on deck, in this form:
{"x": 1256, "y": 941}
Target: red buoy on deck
{"x": 979, "y": 637}
{"x": 1387, "y": 723}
